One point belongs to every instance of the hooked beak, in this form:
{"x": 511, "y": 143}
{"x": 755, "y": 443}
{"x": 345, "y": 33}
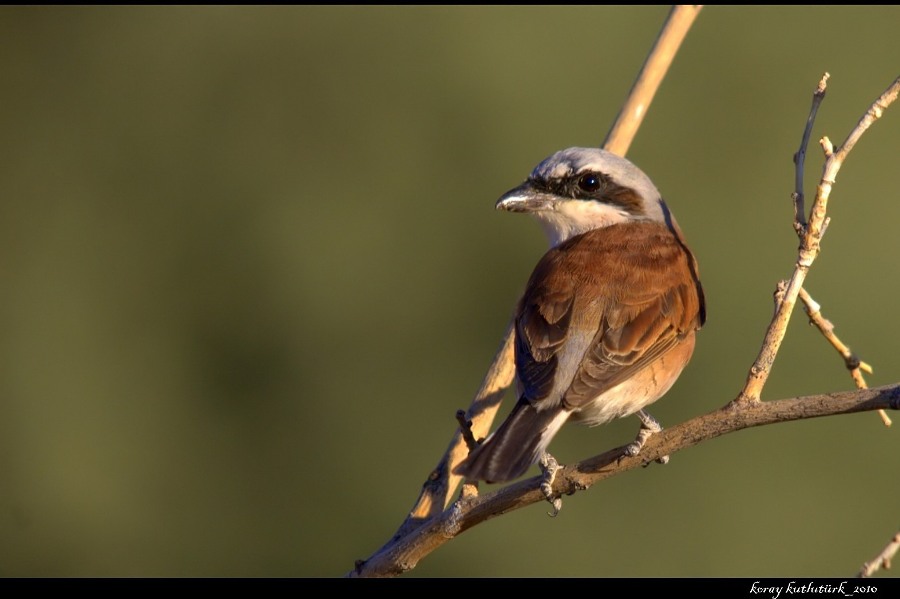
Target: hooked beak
{"x": 526, "y": 198}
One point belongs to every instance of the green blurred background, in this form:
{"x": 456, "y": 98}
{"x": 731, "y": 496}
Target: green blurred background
{"x": 251, "y": 267}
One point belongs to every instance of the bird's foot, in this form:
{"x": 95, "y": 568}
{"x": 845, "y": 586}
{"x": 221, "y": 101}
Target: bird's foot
{"x": 549, "y": 468}
{"x": 649, "y": 427}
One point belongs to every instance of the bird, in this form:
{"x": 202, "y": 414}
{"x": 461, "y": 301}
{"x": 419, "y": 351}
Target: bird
{"x": 607, "y": 321}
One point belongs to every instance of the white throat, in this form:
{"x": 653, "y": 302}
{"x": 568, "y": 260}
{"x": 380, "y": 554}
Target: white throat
{"x": 573, "y": 217}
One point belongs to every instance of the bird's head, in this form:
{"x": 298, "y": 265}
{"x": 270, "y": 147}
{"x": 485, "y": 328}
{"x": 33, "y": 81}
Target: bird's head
{"x": 580, "y": 189}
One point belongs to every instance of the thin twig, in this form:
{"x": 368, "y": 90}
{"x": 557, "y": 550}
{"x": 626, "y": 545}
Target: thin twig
{"x": 800, "y": 158}
{"x": 814, "y": 311}
{"x": 851, "y": 360}
{"x": 465, "y": 427}
{"x": 882, "y": 560}
{"x": 809, "y": 243}
{"x": 875, "y": 112}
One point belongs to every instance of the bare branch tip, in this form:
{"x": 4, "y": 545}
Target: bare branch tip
{"x": 882, "y": 560}
{"x": 823, "y": 83}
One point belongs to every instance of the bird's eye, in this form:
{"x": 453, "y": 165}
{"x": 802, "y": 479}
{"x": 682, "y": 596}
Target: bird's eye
{"x": 589, "y": 182}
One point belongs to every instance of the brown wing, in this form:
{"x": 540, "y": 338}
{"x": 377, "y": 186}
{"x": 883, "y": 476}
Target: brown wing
{"x": 624, "y": 295}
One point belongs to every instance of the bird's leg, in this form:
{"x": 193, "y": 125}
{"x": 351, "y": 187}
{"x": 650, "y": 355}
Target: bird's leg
{"x": 649, "y": 426}
{"x": 549, "y": 468}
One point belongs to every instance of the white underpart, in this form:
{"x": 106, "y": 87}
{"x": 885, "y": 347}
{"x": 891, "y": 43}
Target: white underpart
{"x": 569, "y": 218}
{"x": 626, "y": 398}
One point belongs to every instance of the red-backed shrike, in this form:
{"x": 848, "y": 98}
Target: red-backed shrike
{"x": 607, "y": 320}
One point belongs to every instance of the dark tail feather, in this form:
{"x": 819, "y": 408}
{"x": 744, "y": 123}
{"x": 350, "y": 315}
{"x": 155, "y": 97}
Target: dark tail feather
{"x": 516, "y": 445}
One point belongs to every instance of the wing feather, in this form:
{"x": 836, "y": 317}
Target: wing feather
{"x": 629, "y": 288}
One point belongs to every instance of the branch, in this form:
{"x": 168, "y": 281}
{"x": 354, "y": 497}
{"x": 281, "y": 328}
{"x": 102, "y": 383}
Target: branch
{"x": 851, "y": 360}
{"x": 625, "y": 127}
{"x": 800, "y": 158}
{"x": 810, "y": 234}
{"x": 882, "y": 560}
{"x": 472, "y": 510}
{"x": 855, "y": 366}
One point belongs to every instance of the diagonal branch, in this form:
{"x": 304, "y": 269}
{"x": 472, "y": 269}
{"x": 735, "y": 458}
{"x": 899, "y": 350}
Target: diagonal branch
{"x": 630, "y": 117}
{"x": 882, "y": 560}
{"x": 851, "y": 360}
{"x": 470, "y": 511}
